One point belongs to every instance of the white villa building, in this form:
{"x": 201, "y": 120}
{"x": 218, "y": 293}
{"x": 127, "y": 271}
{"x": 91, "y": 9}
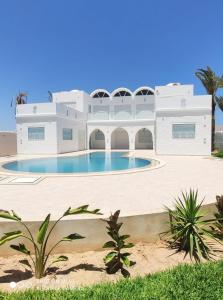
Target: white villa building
{"x": 170, "y": 119}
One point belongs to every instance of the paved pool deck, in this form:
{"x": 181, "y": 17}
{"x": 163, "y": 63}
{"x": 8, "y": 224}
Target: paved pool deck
{"x": 133, "y": 193}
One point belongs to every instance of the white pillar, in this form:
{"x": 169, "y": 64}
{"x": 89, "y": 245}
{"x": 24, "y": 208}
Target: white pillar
{"x": 107, "y": 140}
{"x": 132, "y": 140}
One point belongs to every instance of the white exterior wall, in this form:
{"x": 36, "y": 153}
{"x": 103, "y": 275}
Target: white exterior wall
{"x": 79, "y": 136}
{"x": 53, "y": 117}
{"x": 8, "y": 145}
{"x": 46, "y": 146}
{"x": 166, "y": 144}
{"x": 75, "y": 99}
{"x": 182, "y": 108}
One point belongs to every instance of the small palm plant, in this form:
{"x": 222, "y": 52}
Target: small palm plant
{"x": 218, "y": 224}
{"x": 117, "y": 260}
{"x": 38, "y": 262}
{"x": 189, "y": 228}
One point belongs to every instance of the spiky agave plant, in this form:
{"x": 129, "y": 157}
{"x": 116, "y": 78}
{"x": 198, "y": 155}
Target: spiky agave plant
{"x": 38, "y": 261}
{"x": 116, "y": 259}
{"x": 189, "y": 228}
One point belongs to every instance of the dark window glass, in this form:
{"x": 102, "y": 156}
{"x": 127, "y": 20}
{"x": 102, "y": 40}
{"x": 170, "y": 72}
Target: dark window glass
{"x": 100, "y": 95}
{"x": 122, "y": 94}
{"x": 144, "y": 92}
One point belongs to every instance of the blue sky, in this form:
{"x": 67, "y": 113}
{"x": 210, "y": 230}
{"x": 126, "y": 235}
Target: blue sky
{"x": 84, "y": 44}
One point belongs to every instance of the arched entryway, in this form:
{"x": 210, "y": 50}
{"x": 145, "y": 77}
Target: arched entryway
{"x": 144, "y": 139}
{"x": 97, "y": 140}
{"x": 119, "y": 139}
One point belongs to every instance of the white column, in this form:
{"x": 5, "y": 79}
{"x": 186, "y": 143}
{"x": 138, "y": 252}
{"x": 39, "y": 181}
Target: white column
{"x": 107, "y": 140}
{"x": 132, "y": 140}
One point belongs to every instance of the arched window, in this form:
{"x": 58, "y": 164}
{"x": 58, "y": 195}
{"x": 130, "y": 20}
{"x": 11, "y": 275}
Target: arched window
{"x": 144, "y": 92}
{"x": 100, "y": 95}
{"x": 122, "y": 94}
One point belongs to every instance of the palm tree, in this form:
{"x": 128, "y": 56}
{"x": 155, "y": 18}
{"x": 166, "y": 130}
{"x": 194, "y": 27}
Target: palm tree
{"x": 21, "y": 98}
{"x": 211, "y": 82}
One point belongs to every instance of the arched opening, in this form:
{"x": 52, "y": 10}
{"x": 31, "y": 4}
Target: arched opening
{"x": 144, "y": 139}
{"x": 97, "y": 140}
{"x": 119, "y": 139}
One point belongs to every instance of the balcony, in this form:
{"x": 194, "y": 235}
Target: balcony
{"x": 47, "y": 110}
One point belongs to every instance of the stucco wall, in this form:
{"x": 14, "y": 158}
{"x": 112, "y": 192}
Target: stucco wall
{"x": 79, "y": 136}
{"x": 46, "y": 146}
{"x": 142, "y": 228}
{"x": 166, "y": 144}
{"x": 8, "y": 144}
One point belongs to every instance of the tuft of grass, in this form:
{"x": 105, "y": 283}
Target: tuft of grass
{"x": 194, "y": 282}
{"x": 218, "y": 154}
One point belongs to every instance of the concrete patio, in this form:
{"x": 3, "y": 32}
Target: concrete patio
{"x": 133, "y": 193}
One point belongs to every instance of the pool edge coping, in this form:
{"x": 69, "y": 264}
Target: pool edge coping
{"x": 150, "y": 167}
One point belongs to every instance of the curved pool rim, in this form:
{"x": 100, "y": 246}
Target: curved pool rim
{"x": 154, "y": 164}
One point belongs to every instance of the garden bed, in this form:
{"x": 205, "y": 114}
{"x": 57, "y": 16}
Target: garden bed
{"x": 196, "y": 282}
{"x": 88, "y": 268}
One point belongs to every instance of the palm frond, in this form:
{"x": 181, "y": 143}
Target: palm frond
{"x": 219, "y": 101}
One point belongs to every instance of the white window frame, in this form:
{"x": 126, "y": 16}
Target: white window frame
{"x": 67, "y": 134}
{"x": 183, "y": 134}
{"x": 36, "y": 136}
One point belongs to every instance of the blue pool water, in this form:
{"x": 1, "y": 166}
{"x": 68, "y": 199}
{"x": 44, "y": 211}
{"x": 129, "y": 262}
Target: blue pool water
{"x": 86, "y": 163}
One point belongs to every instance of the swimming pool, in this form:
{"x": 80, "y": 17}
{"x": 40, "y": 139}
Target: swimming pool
{"x": 85, "y": 163}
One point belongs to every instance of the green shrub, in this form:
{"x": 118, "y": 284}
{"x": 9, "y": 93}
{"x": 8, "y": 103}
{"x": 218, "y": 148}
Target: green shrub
{"x": 38, "y": 262}
{"x": 117, "y": 260}
{"x": 218, "y": 154}
{"x": 189, "y": 228}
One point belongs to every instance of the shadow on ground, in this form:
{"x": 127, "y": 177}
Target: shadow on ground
{"x": 15, "y": 275}
{"x": 86, "y": 267}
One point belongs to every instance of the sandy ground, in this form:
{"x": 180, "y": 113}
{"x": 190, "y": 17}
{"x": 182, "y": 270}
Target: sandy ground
{"x": 88, "y": 268}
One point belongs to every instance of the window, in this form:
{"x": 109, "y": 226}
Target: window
{"x": 99, "y": 135}
{"x": 144, "y": 92}
{"x": 67, "y": 134}
{"x": 183, "y": 131}
{"x": 122, "y": 94}
{"x": 36, "y": 133}
{"x": 101, "y": 95}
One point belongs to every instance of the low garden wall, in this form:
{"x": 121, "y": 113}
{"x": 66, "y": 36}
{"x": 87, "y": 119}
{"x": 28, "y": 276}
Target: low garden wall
{"x": 8, "y": 144}
{"x": 142, "y": 228}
